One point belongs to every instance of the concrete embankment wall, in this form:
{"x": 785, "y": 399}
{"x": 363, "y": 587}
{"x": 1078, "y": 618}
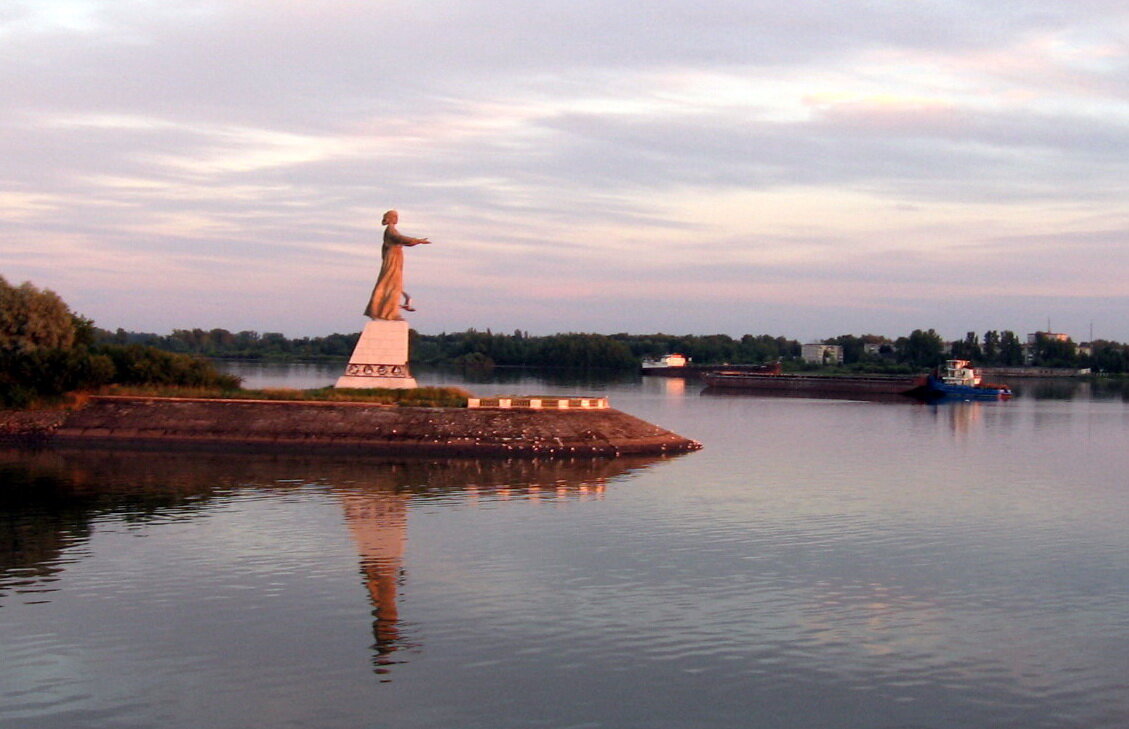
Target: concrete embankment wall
{"x": 360, "y": 426}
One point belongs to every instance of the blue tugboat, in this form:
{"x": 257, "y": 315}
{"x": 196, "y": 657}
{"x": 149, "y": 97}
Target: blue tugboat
{"x": 961, "y": 381}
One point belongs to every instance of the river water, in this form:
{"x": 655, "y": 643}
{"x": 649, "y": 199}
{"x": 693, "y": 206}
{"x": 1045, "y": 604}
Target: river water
{"x": 819, "y": 564}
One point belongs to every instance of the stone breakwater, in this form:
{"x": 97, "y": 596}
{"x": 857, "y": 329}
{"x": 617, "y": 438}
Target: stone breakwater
{"x": 181, "y": 422}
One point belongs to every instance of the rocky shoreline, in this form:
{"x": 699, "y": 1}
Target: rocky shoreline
{"x": 29, "y": 427}
{"x": 337, "y": 426}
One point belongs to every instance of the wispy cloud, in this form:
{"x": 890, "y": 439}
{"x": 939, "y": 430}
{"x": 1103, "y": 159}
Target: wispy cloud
{"x": 734, "y": 166}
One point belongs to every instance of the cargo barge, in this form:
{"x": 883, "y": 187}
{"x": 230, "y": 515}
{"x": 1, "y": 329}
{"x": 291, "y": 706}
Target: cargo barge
{"x": 958, "y": 381}
{"x": 817, "y": 385}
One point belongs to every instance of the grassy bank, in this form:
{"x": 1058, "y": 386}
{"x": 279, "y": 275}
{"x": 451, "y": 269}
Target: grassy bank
{"x": 447, "y": 397}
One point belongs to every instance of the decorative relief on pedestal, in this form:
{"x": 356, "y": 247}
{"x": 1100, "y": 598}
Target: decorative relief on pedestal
{"x": 376, "y": 370}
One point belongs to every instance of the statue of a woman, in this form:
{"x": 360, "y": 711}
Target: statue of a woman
{"x": 385, "y": 300}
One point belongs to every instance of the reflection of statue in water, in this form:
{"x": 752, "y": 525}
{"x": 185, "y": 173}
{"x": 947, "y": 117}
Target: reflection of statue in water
{"x": 377, "y": 517}
{"x": 377, "y": 507}
{"x": 378, "y": 521}
{"x": 385, "y": 300}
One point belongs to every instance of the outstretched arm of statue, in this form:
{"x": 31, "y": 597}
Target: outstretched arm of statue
{"x": 402, "y": 240}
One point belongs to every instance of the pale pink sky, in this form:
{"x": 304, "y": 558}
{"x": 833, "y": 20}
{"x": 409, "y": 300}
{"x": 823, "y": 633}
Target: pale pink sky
{"x": 804, "y": 169}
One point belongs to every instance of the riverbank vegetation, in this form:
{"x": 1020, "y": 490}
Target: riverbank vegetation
{"x": 920, "y": 349}
{"x": 476, "y": 348}
{"x": 47, "y": 351}
{"x": 446, "y": 397}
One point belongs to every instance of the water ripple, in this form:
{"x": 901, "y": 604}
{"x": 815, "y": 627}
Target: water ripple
{"x": 979, "y": 581}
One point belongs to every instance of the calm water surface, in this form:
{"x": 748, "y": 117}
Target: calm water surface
{"x": 820, "y": 563}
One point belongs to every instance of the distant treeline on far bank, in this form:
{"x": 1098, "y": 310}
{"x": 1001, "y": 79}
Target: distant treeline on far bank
{"x": 919, "y": 349}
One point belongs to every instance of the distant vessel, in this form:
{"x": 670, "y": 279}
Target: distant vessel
{"x": 815, "y": 385}
{"x": 961, "y": 381}
{"x": 676, "y": 365}
{"x": 668, "y": 360}
{"x": 669, "y": 365}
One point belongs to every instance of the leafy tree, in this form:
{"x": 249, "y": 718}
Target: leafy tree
{"x": 1011, "y": 350}
{"x": 44, "y": 347}
{"x": 1109, "y": 356}
{"x": 46, "y": 351}
{"x": 969, "y": 348}
{"x": 853, "y": 347}
{"x": 991, "y": 347}
{"x": 1054, "y": 352}
{"x": 33, "y": 319}
{"x": 920, "y": 349}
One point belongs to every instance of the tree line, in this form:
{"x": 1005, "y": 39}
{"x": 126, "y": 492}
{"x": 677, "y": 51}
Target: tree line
{"x": 473, "y": 347}
{"x": 221, "y": 343}
{"x": 921, "y": 349}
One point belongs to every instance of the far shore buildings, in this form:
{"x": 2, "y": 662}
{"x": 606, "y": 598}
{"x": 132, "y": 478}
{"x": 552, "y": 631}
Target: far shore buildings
{"x": 822, "y": 354}
{"x": 1033, "y": 339}
{"x": 831, "y": 354}
{"x": 819, "y": 353}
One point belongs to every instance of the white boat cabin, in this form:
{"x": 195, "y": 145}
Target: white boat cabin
{"x": 960, "y": 372}
{"x": 670, "y": 360}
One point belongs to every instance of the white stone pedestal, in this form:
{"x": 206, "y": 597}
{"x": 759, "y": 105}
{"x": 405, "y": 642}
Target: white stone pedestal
{"x": 380, "y": 358}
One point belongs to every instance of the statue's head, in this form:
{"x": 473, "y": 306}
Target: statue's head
{"x": 390, "y": 218}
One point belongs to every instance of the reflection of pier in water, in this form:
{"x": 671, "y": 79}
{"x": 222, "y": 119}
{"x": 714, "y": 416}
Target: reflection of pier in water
{"x": 376, "y": 496}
